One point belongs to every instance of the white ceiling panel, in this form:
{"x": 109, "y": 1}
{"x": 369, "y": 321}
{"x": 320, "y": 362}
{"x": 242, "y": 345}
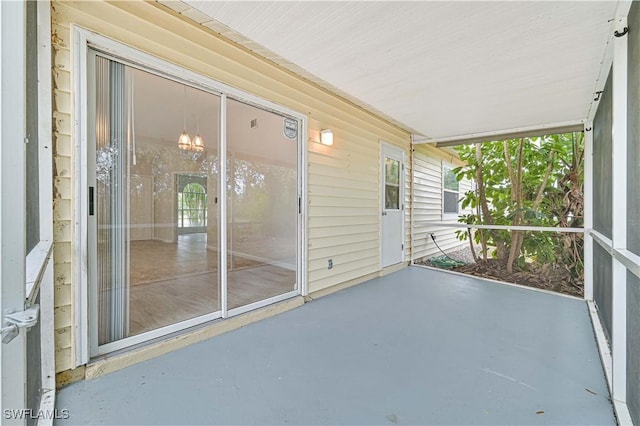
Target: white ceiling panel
{"x": 441, "y": 69}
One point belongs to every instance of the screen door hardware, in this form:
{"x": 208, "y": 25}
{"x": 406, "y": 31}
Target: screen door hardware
{"x": 19, "y": 320}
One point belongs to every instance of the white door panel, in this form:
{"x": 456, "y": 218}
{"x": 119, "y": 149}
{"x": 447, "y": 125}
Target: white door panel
{"x": 392, "y": 199}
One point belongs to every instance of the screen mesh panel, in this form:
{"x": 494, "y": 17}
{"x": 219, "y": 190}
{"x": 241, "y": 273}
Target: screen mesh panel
{"x": 602, "y": 280}
{"x": 602, "y": 194}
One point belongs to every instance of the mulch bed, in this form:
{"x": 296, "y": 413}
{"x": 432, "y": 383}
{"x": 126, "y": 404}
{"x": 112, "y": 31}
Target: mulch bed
{"x": 544, "y": 277}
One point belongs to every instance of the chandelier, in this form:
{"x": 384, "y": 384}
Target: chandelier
{"x": 185, "y": 142}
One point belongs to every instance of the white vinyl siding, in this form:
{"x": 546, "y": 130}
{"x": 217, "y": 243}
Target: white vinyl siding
{"x": 427, "y": 202}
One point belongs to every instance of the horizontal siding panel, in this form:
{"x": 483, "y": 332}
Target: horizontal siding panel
{"x": 345, "y": 259}
{"x": 62, "y": 80}
{"x": 62, "y": 294}
{"x": 61, "y": 209}
{"x": 62, "y": 58}
{"x": 62, "y": 317}
{"x": 339, "y": 268}
{"x": 62, "y": 100}
{"x": 63, "y": 360}
{"x": 63, "y": 146}
{"x": 338, "y": 182}
{"x": 339, "y": 194}
{"x": 343, "y": 202}
{"x": 323, "y": 222}
{"x": 341, "y": 239}
{"x": 354, "y": 247}
{"x": 62, "y": 252}
{"x": 344, "y": 159}
{"x": 319, "y": 189}
{"x": 62, "y": 274}
{"x": 342, "y": 231}
{"x": 361, "y": 175}
{"x": 63, "y": 338}
{"x": 63, "y": 187}
{"x": 321, "y": 282}
{"x": 425, "y": 193}
{"x": 62, "y": 230}
{"x": 341, "y": 212}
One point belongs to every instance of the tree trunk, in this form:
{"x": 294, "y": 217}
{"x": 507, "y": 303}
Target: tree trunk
{"x": 473, "y": 249}
{"x": 482, "y": 197}
{"x": 516, "y": 197}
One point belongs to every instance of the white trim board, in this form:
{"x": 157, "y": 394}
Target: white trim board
{"x": 505, "y": 227}
{"x": 530, "y": 131}
{"x": 620, "y": 408}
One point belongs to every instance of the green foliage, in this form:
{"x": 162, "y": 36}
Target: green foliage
{"x": 549, "y": 172}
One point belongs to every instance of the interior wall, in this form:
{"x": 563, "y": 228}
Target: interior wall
{"x": 161, "y": 164}
{"x": 263, "y": 194}
{"x": 343, "y": 180}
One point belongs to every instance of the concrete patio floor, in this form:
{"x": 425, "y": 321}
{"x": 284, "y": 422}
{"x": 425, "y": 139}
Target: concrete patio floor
{"x": 415, "y": 347}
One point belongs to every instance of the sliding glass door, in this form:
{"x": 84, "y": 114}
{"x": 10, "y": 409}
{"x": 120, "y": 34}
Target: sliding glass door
{"x": 262, "y": 205}
{"x": 154, "y": 193}
{"x": 155, "y": 262}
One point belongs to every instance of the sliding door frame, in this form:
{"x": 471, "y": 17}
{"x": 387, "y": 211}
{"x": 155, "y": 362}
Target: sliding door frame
{"x": 85, "y": 317}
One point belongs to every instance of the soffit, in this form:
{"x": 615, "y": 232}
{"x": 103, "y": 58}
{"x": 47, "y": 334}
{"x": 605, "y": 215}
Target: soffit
{"x": 440, "y": 69}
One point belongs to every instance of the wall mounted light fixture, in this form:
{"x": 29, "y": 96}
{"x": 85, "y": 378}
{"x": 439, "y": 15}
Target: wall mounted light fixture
{"x": 326, "y": 136}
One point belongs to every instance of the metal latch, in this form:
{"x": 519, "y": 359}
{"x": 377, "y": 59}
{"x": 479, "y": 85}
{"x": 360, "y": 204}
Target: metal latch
{"x": 17, "y": 320}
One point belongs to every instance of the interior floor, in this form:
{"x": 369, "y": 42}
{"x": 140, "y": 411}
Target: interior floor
{"x": 173, "y": 282}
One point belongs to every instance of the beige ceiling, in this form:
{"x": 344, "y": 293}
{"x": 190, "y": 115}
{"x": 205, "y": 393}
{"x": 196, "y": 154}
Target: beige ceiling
{"x": 442, "y": 69}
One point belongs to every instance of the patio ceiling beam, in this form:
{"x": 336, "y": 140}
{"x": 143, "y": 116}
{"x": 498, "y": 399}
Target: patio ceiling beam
{"x": 521, "y": 132}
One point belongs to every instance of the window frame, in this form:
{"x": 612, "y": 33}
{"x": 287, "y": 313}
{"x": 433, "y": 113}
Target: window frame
{"x": 449, "y": 215}
{"x": 396, "y": 185}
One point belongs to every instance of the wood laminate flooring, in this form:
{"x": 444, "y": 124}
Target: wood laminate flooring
{"x": 173, "y": 282}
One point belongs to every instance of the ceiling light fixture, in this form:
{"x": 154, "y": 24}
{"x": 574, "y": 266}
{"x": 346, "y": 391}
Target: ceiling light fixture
{"x": 197, "y": 143}
{"x": 184, "y": 141}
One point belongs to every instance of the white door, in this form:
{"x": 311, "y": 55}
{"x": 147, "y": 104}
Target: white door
{"x": 392, "y": 200}
{"x": 12, "y": 209}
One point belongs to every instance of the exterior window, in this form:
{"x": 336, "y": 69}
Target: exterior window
{"x": 192, "y": 203}
{"x": 392, "y": 184}
{"x": 450, "y": 192}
